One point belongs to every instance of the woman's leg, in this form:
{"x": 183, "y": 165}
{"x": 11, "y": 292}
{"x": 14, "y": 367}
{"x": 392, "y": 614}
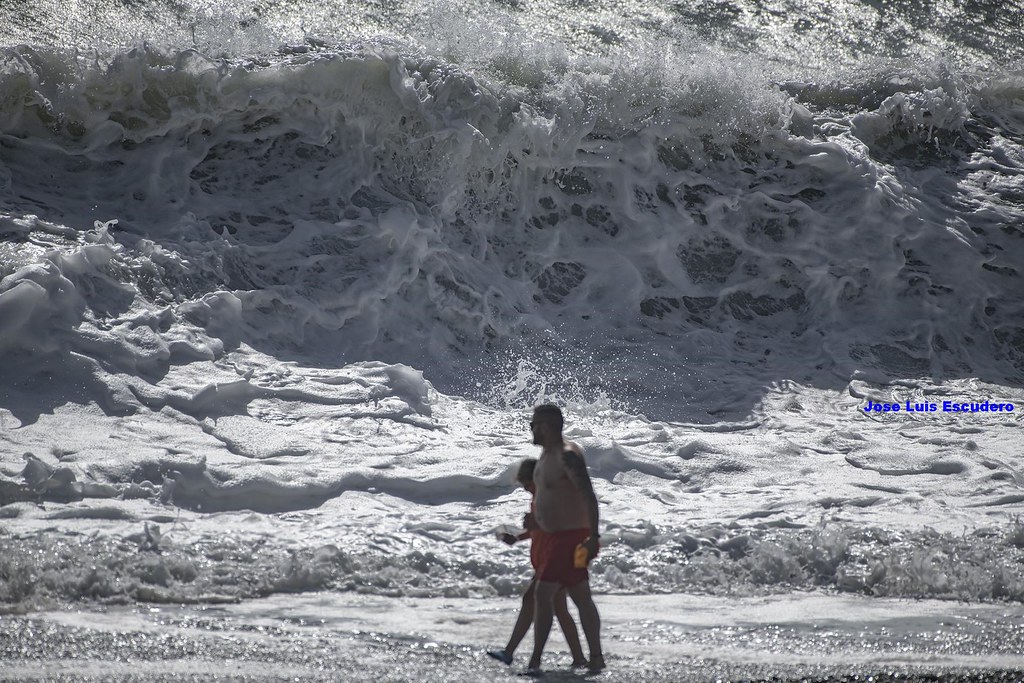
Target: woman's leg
{"x": 525, "y": 619}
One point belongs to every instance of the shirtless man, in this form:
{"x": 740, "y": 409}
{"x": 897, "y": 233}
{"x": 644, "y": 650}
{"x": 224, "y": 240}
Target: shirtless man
{"x": 566, "y": 510}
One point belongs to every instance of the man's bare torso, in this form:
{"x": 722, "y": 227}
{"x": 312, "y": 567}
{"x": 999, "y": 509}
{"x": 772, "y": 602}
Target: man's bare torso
{"x": 559, "y": 505}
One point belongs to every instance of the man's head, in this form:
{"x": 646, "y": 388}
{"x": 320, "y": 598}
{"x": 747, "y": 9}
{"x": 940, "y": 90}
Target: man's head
{"x": 525, "y": 474}
{"x": 546, "y": 424}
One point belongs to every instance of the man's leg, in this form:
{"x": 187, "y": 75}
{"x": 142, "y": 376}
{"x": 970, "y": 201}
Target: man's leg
{"x": 543, "y": 613}
{"x": 591, "y": 622}
{"x": 572, "y": 636}
{"x": 524, "y": 620}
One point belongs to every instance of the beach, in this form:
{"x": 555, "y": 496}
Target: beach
{"x": 329, "y": 637}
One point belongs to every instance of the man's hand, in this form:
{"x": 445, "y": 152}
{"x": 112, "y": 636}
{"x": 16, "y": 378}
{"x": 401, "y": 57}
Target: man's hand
{"x": 530, "y": 522}
{"x": 592, "y": 544}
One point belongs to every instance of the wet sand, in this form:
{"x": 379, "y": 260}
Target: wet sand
{"x": 348, "y": 637}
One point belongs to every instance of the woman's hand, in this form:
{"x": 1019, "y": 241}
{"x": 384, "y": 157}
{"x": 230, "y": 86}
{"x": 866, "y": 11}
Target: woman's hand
{"x": 530, "y": 522}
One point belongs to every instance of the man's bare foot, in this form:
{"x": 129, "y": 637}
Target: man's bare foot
{"x": 596, "y": 664}
{"x": 578, "y": 663}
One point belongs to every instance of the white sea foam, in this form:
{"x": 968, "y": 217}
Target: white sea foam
{"x": 251, "y": 476}
{"x": 273, "y": 322}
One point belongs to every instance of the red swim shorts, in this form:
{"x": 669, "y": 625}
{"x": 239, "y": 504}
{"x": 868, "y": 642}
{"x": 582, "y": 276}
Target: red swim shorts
{"x": 555, "y": 556}
{"x": 538, "y": 540}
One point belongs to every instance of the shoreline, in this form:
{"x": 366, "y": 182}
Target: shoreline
{"x": 330, "y": 637}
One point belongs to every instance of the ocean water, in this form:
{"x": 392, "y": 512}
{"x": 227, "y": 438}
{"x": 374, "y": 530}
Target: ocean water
{"x": 281, "y": 281}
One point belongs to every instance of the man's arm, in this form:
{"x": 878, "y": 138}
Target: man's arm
{"x": 576, "y": 469}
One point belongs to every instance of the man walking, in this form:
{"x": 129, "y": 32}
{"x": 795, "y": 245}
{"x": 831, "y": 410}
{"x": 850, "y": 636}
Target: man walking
{"x": 566, "y": 510}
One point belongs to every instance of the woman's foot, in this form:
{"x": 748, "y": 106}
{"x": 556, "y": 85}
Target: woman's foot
{"x": 502, "y": 656}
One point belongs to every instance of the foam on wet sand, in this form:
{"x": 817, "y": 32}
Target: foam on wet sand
{"x": 322, "y": 637}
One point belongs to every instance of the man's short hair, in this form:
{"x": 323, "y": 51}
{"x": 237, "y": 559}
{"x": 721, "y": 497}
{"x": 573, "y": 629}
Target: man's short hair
{"x": 525, "y": 473}
{"x": 551, "y": 414}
